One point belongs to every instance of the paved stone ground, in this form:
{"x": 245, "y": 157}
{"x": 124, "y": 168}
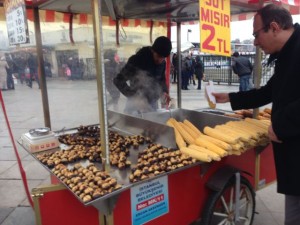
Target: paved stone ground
{"x": 73, "y": 103}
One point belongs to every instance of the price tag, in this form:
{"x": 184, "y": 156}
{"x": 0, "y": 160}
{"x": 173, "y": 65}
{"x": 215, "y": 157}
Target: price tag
{"x": 215, "y": 26}
{"x": 16, "y": 22}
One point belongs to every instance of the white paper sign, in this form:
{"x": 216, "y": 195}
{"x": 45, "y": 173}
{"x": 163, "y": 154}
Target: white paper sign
{"x": 16, "y": 22}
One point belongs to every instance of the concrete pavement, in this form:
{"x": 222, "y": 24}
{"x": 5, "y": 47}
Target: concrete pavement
{"x": 73, "y": 103}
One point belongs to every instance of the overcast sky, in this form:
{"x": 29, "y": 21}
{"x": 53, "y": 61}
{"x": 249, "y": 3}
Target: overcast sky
{"x": 239, "y": 30}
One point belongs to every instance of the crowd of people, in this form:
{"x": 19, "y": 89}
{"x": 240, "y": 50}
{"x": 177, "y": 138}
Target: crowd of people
{"x": 22, "y": 67}
{"x": 74, "y": 68}
{"x": 192, "y": 68}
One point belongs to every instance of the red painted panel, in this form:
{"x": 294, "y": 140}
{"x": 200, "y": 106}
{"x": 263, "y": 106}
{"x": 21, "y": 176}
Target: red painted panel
{"x": 267, "y": 165}
{"x": 186, "y": 198}
{"x": 122, "y": 210}
{"x": 61, "y": 208}
{"x": 245, "y": 162}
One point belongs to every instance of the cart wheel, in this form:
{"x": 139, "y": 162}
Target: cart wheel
{"x": 220, "y": 205}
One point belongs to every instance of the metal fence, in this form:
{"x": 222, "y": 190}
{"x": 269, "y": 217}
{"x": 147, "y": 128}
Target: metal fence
{"x": 218, "y": 69}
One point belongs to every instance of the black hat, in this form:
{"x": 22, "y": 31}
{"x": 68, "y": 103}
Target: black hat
{"x": 235, "y": 54}
{"x": 162, "y": 46}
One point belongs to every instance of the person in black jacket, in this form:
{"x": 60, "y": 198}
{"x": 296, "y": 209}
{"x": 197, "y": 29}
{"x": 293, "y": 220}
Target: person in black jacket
{"x": 142, "y": 80}
{"x": 199, "y": 70}
{"x": 276, "y": 35}
{"x": 33, "y": 67}
{"x": 175, "y": 67}
{"x": 185, "y": 72}
{"x": 243, "y": 68}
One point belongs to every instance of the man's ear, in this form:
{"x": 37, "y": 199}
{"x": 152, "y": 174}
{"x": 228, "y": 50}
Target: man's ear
{"x": 274, "y": 26}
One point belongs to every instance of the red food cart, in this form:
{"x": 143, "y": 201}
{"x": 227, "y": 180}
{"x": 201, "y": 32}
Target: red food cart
{"x": 207, "y": 193}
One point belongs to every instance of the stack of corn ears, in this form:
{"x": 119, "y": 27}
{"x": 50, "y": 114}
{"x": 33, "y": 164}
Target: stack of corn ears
{"x": 232, "y": 138}
{"x": 248, "y": 113}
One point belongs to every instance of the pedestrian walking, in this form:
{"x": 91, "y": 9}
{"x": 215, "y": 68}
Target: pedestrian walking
{"x": 243, "y": 68}
{"x": 3, "y": 74}
{"x": 199, "y": 70}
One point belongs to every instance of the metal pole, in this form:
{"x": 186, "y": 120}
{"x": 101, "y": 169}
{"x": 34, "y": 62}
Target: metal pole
{"x": 257, "y": 68}
{"x": 179, "y": 83}
{"x": 98, "y": 41}
{"x": 41, "y": 70}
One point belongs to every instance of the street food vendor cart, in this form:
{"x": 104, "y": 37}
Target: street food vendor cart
{"x": 191, "y": 194}
{"x": 182, "y": 196}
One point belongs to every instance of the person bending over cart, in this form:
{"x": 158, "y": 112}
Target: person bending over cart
{"x": 276, "y": 35}
{"x": 142, "y": 80}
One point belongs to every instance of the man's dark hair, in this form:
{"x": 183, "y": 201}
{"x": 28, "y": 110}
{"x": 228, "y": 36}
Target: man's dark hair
{"x": 274, "y": 13}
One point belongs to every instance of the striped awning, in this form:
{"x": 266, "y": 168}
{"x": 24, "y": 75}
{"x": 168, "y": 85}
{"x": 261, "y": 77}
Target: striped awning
{"x": 293, "y": 6}
{"x": 53, "y": 16}
{"x": 49, "y": 16}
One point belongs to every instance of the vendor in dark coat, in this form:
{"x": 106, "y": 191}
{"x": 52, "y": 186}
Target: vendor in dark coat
{"x": 275, "y": 34}
{"x": 142, "y": 80}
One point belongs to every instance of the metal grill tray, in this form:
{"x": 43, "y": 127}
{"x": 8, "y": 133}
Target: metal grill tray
{"x": 150, "y": 125}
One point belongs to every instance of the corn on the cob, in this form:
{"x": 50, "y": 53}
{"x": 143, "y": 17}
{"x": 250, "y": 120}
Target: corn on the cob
{"x": 170, "y": 123}
{"x": 259, "y": 117}
{"x": 196, "y": 154}
{"x": 186, "y": 136}
{"x": 212, "y": 154}
{"x": 266, "y": 122}
{"x": 229, "y": 130}
{"x": 241, "y": 128}
{"x": 257, "y": 123}
{"x": 252, "y": 142}
{"x": 235, "y": 153}
{"x": 190, "y": 125}
{"x": 219, "y": 135}
{"x": 238, "y": 146}
{"x": 189, "y": 130}
{"x": 179, "y": 140}
{"x": 217, "y": 142}
{"x": 259, "y": 130}
{"x": 254, "y": 123}
{"x": 210, "y": 146}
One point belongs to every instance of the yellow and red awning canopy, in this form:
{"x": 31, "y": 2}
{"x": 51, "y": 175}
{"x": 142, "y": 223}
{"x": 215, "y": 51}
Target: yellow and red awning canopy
{"x": 133, "y": 13}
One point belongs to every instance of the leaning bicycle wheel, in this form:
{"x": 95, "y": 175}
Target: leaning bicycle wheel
{"x": 220, "y": 207}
